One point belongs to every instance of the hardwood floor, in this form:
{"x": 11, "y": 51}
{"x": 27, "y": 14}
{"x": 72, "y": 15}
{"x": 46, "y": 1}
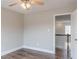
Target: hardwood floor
{"x": 59, "y": 54}
{"x": 30, "y": 54}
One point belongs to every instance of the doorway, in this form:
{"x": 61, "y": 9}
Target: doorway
{"x": 63, "y": 36}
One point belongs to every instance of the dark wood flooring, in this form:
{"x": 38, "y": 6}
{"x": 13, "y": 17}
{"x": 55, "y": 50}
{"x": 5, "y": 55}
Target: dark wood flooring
{"x": 31, "y": 54}
{"x": 59, "y": 54}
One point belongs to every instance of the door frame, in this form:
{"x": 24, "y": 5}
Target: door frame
{"x": 59, "y": 14}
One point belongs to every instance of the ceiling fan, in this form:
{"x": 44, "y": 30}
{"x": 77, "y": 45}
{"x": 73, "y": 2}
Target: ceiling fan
{"x": 27, "y": 3}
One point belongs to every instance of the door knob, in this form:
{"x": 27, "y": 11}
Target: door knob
{"x": 75, "y": 39}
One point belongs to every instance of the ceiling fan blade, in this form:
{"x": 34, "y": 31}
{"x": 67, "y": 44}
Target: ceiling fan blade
{"x": 12, "y": 4}
{"x": 38, "y": 2}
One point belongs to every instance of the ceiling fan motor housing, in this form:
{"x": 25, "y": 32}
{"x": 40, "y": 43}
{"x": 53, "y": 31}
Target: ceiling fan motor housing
{"x": 25, "y": 0}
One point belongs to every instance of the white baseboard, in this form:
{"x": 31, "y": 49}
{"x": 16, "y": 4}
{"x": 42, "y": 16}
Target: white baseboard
{"x": 33, "y": 48}
{"x": 9, "y": 51}
{"x": 38, "y": 49}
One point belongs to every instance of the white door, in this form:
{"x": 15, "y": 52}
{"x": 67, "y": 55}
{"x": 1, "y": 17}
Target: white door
{"x": 74, "y": 35}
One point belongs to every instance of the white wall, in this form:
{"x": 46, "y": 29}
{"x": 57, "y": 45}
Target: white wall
{"x": 38, "y": 31}
{"x": 11, "y": 29}
{"x": 74, "y": 35}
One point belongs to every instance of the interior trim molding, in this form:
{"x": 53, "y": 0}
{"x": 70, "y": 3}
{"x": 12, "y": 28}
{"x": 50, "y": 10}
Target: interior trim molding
{"x": 33, "y": 48}
{"x": 9, "y": 51}
{"x": 38, "y": 49}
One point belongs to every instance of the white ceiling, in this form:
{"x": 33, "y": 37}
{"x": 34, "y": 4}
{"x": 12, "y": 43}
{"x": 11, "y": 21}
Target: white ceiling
{"x": 48, "y": 5}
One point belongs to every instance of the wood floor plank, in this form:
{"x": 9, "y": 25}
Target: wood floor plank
{"x": 30, "y": 54}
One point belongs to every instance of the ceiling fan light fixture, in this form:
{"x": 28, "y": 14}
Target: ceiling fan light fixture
{"x": 26, "y": 5}
{"x": 23, "y": 6}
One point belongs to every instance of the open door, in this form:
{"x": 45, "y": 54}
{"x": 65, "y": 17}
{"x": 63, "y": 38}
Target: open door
{"x": 63, "y": 36}
{"x": 74, "y": 35}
